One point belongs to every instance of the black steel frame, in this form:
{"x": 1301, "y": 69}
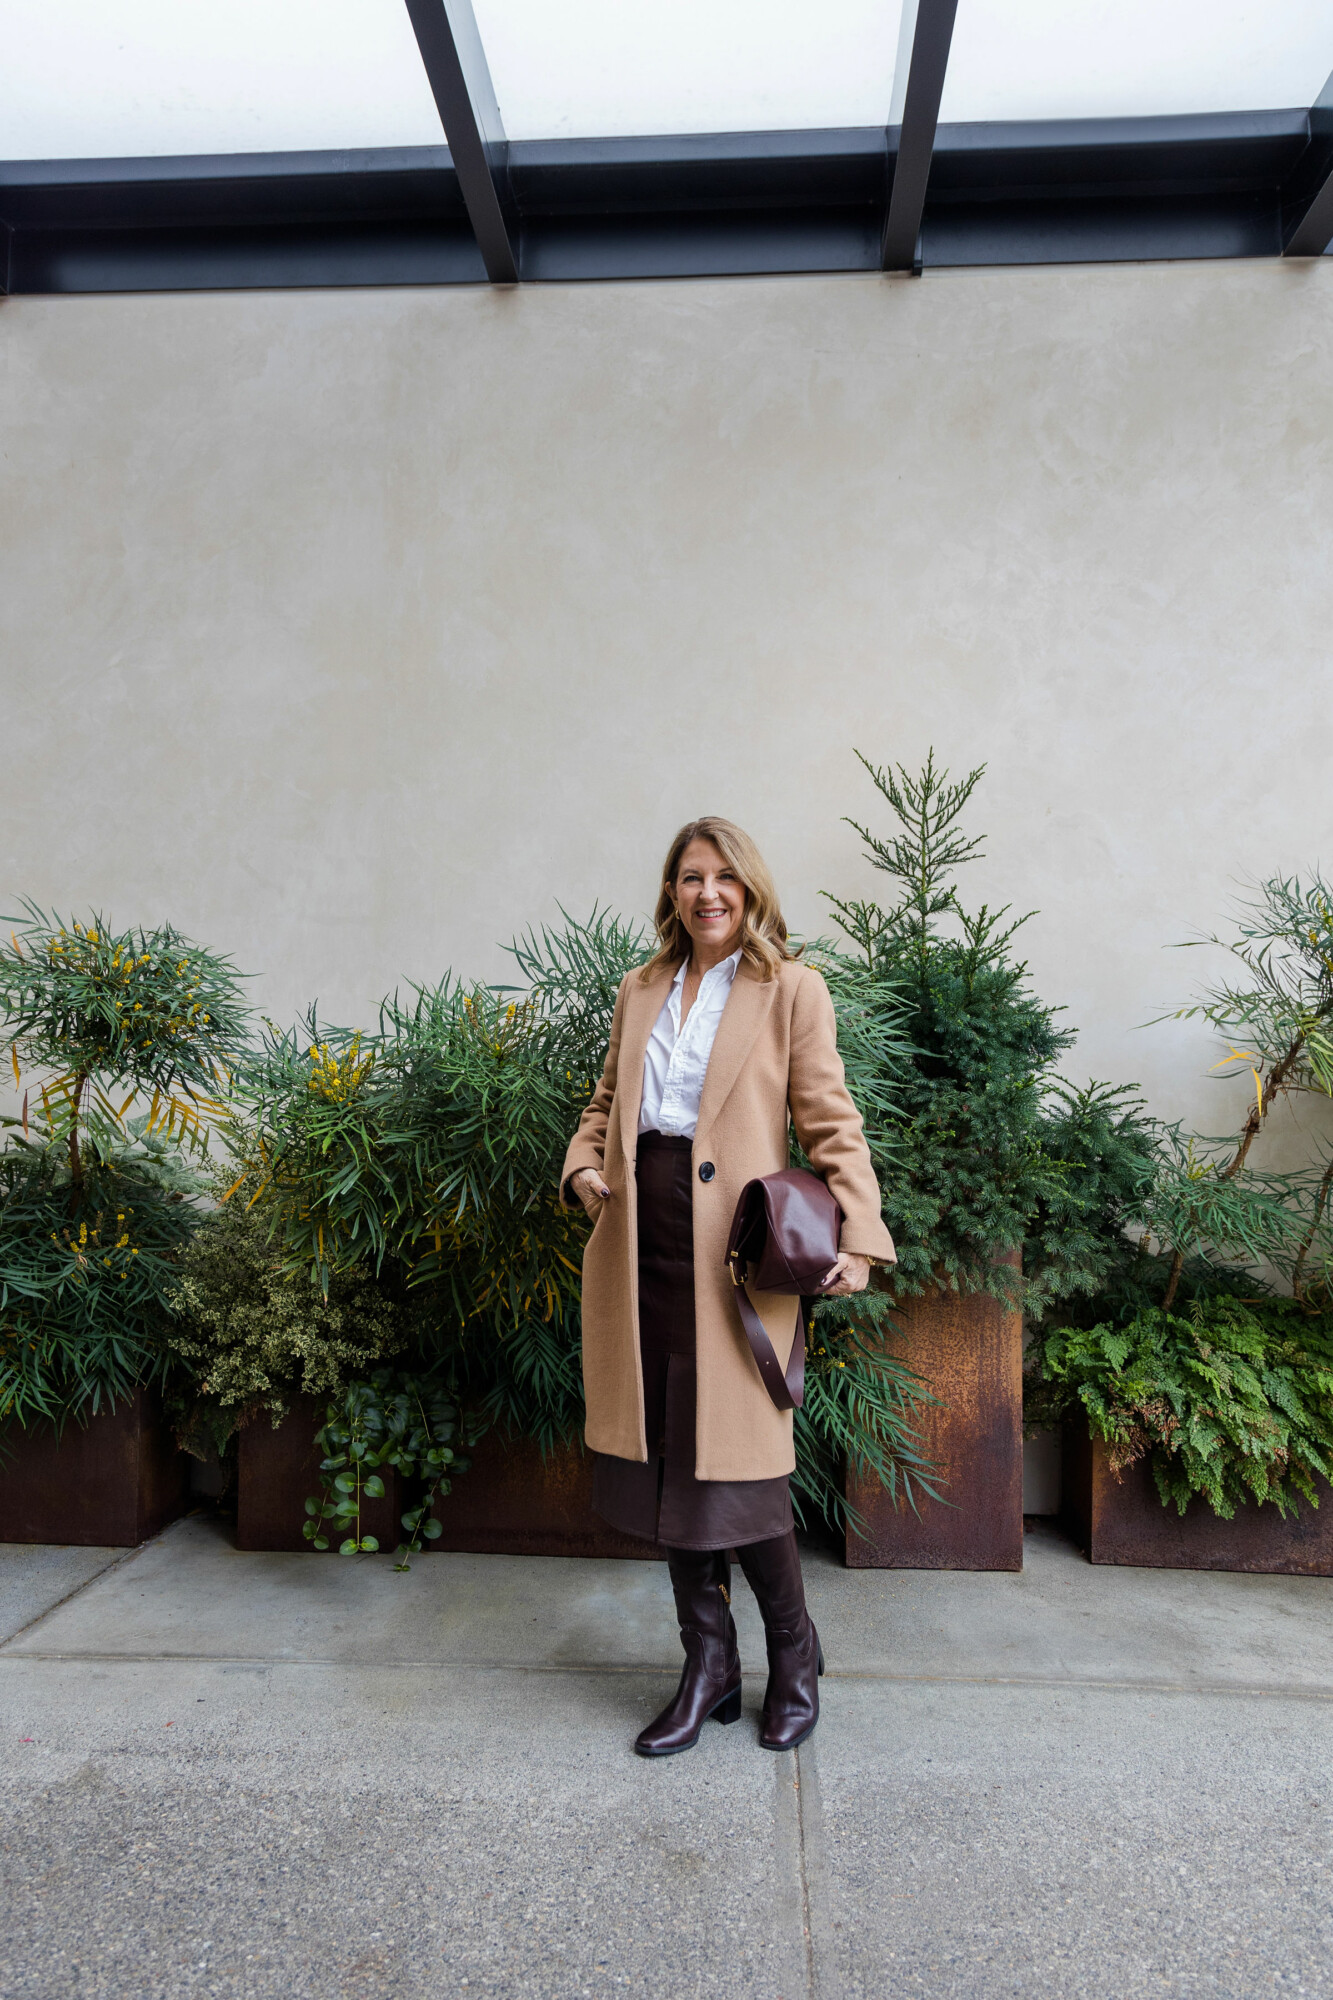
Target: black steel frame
{"x": 932, "y": 32}
{"x": 1308, "y": 208}
{"x": 460, "y": 81}
{"x": 897, "y": 198}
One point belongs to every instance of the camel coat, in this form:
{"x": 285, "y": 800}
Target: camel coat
{"x": 775, "y": 1055}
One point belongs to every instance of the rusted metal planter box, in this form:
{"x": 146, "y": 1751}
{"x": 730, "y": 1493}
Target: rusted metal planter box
{"x": 1123, "y": 1521}
{"x": 970, "y": 1353}
{"x": 512, "y": 1501}
{"x": 111, "y": 1483}
{"x": 276, "y": 1470}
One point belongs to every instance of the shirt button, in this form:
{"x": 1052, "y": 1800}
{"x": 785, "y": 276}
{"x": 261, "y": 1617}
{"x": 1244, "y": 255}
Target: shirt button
{"x": 707, "y": 1170}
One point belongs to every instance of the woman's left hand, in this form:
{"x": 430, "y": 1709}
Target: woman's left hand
{"x": 850, "y": 1274}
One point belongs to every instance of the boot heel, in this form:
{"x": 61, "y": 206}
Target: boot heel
{"x": 821, "y": 1659}
{"x": 730, "y": 1709}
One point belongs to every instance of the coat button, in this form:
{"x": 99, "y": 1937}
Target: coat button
{"x": 707, "y": 1170}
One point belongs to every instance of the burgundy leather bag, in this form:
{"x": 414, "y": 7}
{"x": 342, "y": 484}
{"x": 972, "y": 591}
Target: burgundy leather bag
{"x": 784, "y": 1238}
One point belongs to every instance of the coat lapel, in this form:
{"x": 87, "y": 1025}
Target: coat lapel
{"x": 642, "y": 1007}
{"x": 748, "y": 1006}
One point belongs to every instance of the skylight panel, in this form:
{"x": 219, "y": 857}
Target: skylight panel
{"x": 577, "y": 69}
{"x": 89, "y": 79}
{"x": 126, "y": 78}
{"x": 1029, "y": 59}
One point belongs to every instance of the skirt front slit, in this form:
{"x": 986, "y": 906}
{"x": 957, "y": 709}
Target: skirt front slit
{"x": 662, "y": 1501}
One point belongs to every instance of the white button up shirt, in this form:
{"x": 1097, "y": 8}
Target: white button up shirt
{"x": 676, "y": 1061}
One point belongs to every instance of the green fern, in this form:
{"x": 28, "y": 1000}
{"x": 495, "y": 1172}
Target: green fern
{"x": 1230, "y": 1402}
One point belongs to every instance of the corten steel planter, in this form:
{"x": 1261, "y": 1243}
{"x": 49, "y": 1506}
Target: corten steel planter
{"x": 277, "y": 1470}
{"x": 512, "y": 1501}
{"x": 969, "y": 1351}
{"x": 110, "y": 1483}
{"x": 1123, "y": 1521}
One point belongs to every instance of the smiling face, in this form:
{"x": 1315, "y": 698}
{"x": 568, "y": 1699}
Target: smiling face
{"x": 711, "y": 899}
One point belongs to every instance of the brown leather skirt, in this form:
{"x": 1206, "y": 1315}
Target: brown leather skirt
{"x": 662, "y": 1501}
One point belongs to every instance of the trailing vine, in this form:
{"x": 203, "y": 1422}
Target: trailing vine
{"x": 401, "y": 1423}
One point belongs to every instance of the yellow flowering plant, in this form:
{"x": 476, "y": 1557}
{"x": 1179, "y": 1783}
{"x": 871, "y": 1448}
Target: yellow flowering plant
{"x": 119, "y": 1044}
{"x": 428, "y": 1152}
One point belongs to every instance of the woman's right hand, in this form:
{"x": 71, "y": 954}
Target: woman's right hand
{"x": 591, "y": 1189}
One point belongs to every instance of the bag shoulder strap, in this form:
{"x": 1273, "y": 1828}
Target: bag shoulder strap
{"x": 786, "y": 1391}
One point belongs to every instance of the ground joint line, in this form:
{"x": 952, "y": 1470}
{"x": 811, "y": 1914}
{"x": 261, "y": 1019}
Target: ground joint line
{"x": 1276, "y": 1691}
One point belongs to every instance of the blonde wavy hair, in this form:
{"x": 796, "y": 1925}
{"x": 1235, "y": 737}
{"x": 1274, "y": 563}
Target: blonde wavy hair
{"x": 763, "y": 931}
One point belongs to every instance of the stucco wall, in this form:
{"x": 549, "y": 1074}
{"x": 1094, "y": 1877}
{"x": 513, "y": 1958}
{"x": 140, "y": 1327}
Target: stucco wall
{"x": 352, "y": 630}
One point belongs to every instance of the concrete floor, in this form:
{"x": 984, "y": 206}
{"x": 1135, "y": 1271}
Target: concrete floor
{"x": 269, "y": 1775}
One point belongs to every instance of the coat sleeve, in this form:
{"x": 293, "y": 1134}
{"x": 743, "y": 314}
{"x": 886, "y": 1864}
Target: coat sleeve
{"x": 828, "y": 1124}
{"x": 588, "y": 1146}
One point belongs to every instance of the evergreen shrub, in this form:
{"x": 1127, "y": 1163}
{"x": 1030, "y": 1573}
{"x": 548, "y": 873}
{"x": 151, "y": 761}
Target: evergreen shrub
{"x": 990, "y": 1153}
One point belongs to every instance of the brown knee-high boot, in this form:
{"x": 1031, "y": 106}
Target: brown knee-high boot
{"x": 710, "y": 1682}
{"x": 795, "y": 1657}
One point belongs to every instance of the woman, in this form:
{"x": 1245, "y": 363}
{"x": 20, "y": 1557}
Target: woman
{"x": 715, "y": 1044}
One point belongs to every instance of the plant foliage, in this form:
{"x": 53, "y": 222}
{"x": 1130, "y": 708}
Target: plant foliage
{"x": 1174, "y": 1355}
{"x": 970, "y": 1170}
{"x": 405, "y": 1423}
{"x": 428, "y": 1153}
{"x": 248, "y": 1338}
{"x": 1100, "y": 1155}
{"x": 862, "y": 1409}
{"x": 1230, "y": 1401}
{"x": 1276, "y": 1023}
{"x": 119, "y": 1042}
{"x": 85, "y": 1275}
{"x": 432, "y": 1148}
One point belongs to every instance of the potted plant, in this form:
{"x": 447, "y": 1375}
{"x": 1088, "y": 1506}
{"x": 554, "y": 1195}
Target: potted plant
{"x": 119, "y": 1042}
{"x": 262, "y": 1354}
{"x": 1198, "y": 1403}
{"x": 980, "y": 1170}
{"x": 1206, "y": 1439}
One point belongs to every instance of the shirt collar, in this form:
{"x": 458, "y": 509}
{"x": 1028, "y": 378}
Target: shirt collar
{"x": 722, "y": 974}
{"x": 727, "y": 965}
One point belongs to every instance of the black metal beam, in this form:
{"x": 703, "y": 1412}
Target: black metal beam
{"x": 460, "y": 81}
{"x": 694, "y": 205}
{"x": 1073, "y": 159}
{"x": 931, "y": 36}
{"x": 1307, "y": 220}
{"x": 1111, "y": 190}
{"x": 232, "y": 190}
